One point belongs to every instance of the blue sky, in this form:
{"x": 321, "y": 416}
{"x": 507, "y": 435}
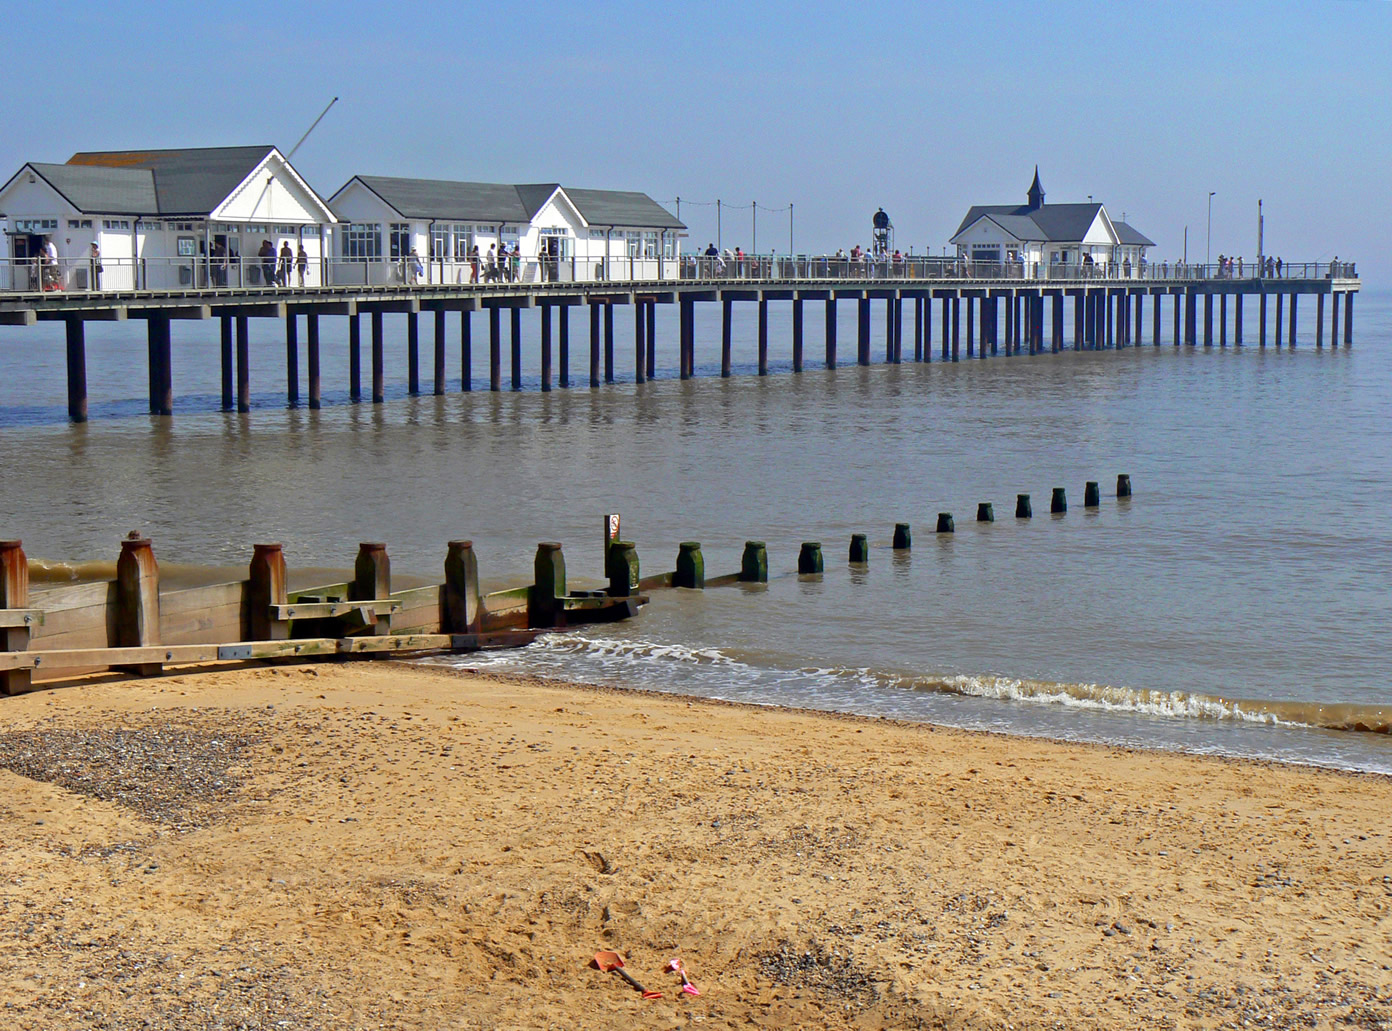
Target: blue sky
{"x": 924, "y": 108}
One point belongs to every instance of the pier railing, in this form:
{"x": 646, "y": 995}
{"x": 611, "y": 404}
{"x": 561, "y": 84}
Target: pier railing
{"x": 200, "y": 273}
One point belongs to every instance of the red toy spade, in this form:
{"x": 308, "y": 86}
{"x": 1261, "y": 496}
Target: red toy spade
{"x": 608, "y": 961}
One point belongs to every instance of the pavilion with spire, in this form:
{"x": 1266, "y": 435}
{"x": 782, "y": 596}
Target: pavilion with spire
{"x": 1040, "y": 235}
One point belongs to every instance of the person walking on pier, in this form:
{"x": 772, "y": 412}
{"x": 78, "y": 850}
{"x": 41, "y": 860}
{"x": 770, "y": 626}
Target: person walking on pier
{"x": 414, "y": 269}
{"x": 287, "y": 261}
{"x": 267, "y": 256}
{"x": 302, "y": 263}
{"x": 218, "y": 262}
{"x": 94, "y": 258}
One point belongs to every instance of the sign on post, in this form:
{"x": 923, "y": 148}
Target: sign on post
{"x": 611, "y": 530}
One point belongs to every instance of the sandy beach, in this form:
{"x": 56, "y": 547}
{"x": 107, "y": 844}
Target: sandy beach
{"x": 393, "y": 846}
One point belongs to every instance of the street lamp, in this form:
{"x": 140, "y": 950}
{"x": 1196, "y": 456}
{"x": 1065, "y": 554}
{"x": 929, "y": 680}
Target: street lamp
{"x": 1208, "y": 244}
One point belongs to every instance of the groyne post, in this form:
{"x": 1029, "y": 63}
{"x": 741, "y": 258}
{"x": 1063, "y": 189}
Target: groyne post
{"x": 372, "y": 579}
{"x": 1023, "y": 510}
{"x": 621, "y": 567}
{"x": 137, "y": 600}
{"x": 463, "y": 606}
{"x": 945, "y": 524}
{"x": 1123, "y": 489}
{"x": 14, "y": 594}
{"x": 985, "y": 512}
{"x": 266, "y": 587}
{"x": 1058, "y": 504}
{"x": 754, "y": 563}
{"x": 548, "y": 587}
{"x": 860, "y": 548}
{"x": 316, "y": 384}
{"x": 77, "y": 368}
{"x": 1092, "y": 494}
{"x": 691, "y": 567}
{"x": 810, "y": 558}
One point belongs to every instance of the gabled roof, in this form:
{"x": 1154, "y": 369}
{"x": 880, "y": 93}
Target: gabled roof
{"x": 621, "y": 208}
{"x": 186, "y": 182}
{"x": 102, "y": 191}
{"x": 1050, "y": 221}
{"x": 437, "y": 198}
{"x": 508, "y": 204}
{"x": 1127, "y": 235}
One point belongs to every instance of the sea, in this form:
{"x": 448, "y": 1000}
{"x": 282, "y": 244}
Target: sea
{"x": 1239, "y": 603}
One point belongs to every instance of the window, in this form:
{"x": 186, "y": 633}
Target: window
{"x": 463, "y": 235}
{"x": 598, "y": 234}
{"x": 253, "y": 230}
{"x": 649, "y": 245}
{"x": 363, "y": 241}
{"x": 36, "y": 225}
{"x": 439, "y": 241}
{"x": 287, "y": 230}
{"x": 151, "y": 225}
{"x": 183, "y": 227}
{"x": 634, "y": 238}
{"x": 116, "y": 223}
{"x": 400, "y": 239}
{"x": 669, "y": 246}
{"x": 82, "y": 223}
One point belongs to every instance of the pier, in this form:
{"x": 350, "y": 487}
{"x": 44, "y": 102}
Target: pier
{"x": 979, "y": 311}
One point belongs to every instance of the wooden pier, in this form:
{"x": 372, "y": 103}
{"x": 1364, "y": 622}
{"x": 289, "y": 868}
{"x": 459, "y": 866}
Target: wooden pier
{"x": 978, "y": 318}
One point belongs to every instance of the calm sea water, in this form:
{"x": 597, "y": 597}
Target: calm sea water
{"x": 1239, "y": 603}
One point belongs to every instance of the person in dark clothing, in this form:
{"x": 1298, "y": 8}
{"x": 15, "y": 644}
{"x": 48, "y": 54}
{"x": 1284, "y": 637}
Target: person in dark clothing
{"x": 267, "y": 254}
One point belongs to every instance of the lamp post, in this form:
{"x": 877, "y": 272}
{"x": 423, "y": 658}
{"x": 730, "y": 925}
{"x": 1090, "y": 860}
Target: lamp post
{"x": 1208, "y": 243}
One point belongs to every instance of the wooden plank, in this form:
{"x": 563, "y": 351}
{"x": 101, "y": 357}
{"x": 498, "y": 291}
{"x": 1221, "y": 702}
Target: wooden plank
{"x": 306, "y": 648}
{"x": 83, "y": 616}
{"x": 330, "y": 609}
{"x": 73, "y": 596}
{"x": 70, "y": 657}
{"x": 21, "y": 618}
{"x": 203, "y": 615}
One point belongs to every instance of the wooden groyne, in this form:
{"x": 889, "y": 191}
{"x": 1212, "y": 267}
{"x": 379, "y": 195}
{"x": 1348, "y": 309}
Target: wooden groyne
{"x": 979, "y": 317}
{"x": 130, "y": 624}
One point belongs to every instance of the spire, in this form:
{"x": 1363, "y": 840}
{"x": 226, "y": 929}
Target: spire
{"x": 1036, "y": 192}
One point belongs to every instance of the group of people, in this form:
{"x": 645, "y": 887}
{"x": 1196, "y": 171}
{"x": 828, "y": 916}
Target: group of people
{"x": 497, "y": 266}
{"x": 276, "y": 267}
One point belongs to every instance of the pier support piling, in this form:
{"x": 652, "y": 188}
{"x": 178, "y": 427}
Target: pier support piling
{"x": 1334, "y": 321}
{"x": 595, "y": 332}
{"x": 863, "y": 331}
{"x": 797, "y": 334}
{"x": 1280, "y": 316}
{"x": 609, "y": 343}
{"x": 225, "y": 350}
{"x": 640, "y": 343}
{"x": 379, "y": 365}
{"x": 77, "y": 369}
{"x": 243, "y": 366}
{"x": 315, "y": 379}
{"x": 763, "y": 336}
{"x": 354, "y": 358}
{"x": 1291, "y": 339}
{"x": 1348, "y": 318}
{"x": 546, "y": 348}
{"x": 1261, "y": 320}
{"x": 161, "y": 359}
{"x": 1319, "y": 321}
{"x": 515, "y": 325}
{"x": 651, "y": 307}
{"x": 466, "y": 351}
{"x": 687, "y": 318}
{"x": 831, "y": 332}
{"x": 495, "y": 348}
{"x": 727, "y": 316}
{"x": 564, "y": 357}
{"x": 1237, "y": 319}
{"x": 412, "y": 353}
{"x": 1222, "y": 320}
{"x": 292, "y": 361}
{"x": 438, "y": 379}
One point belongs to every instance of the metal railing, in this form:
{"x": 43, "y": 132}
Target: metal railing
{"x": 243, "y": 273}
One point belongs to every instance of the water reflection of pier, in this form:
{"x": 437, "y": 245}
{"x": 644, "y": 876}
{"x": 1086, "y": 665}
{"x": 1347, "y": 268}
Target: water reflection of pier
{"x": 980, "y": 312}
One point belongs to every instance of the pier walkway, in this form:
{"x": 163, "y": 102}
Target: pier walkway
{"x": 982, "y": 310}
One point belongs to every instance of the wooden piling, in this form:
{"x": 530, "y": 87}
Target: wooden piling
{"x": 1155, "y": 321}
{"x": 225, "y": 351}
{"x": 903, "y": 537}
{"x": 830, "y": 332}
{"x": 1334, "y": 321}
{"x": 971, "y": 325}
{"x": 243, "y": 366}
{"x": 515, "y": 325}
{"x": 640, "y": 344}
{"x": 763, "y": 336}
{"x": 956, "y": 323}
{"x": 161, "y": 359}
{"x": 889, "y": 330}
{"x": 651, "y": 307}
{"x": 687, "y": 317}
{"x": 315, "y": 379}
{"x": 412, "y": 353}
{"x": 797, "y": 334}
{"x": 595, "y": 333}
{"x": 463, "y": 608}
{"x": 918, "y": 329}
{"x": 1092, "y": 494}
{"x": 292, "y": 361}
{"x": 1319, "y": 321}
{"x": 754, "y": 563}
{"x": 945, "y": 524}
{"x": 860, "y": 549}
{"x": 1222, "y": 320}
{"x": 546, "y": 349}
{"x": 1291, "y": 339}
{"x": 495, "y": 348}
{"x": 1023, "y": 509}
{"x": 691, "y": 567}
{"x": 810, "y": 561}
{"x": 1237, "y": 319}
{"x": 609, "y": 343}
{"x": 549, "y": 586}
{"x": 466, "y": 351}
{"x": 137, "y": 601}
{"x": 77, "y": 368}
{"x": 1058, "y": 503}
{"x": 621, "y": 568}
{"x": 727, "y": 315}
{"x": 863, "y": 331}
{"x": 266, "y": 587}
{"x": 1208, "y": 320}
{"x": 1280, "y": 315}
{"x": 1178, "y": 304}
{"x": 1348, "y": 318}
{"x": 379, "y": 371}
{"x": 1261, "y": 319}
{"x": 14, "y": 595}
{"x": 438, "y": 378}
{"x": 354, "y": 357}
{"x": 372, "y": 579}
{"x": 927, "y": 327}
{"x": 1123, "y": 488}
{"x": 564, "y": 328}
{"x": 985, "y": 512}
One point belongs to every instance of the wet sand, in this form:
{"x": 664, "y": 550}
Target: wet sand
{"x": 387, "y": 846}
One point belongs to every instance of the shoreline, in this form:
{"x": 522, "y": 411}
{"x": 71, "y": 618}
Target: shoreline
{"x": 376, "y": 845}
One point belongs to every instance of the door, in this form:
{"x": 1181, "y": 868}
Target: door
{"x": 25, "y": 249}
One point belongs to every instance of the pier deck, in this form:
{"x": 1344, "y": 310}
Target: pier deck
{"x": 1108, "y": 312}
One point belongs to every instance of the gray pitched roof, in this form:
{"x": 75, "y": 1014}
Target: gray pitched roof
{"x": 1129, "y": 236}
{"x": 503, "y": 203}
{"x": 103, "y": 191}
{"x": 622, "y": 208}
{"x": 436, "y": 198}
{"x": 186, "y": 182}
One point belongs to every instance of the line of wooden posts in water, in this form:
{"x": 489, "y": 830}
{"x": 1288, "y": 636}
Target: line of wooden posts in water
{"x": 129, "y": 624}
{"x": 979, "y": 318}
